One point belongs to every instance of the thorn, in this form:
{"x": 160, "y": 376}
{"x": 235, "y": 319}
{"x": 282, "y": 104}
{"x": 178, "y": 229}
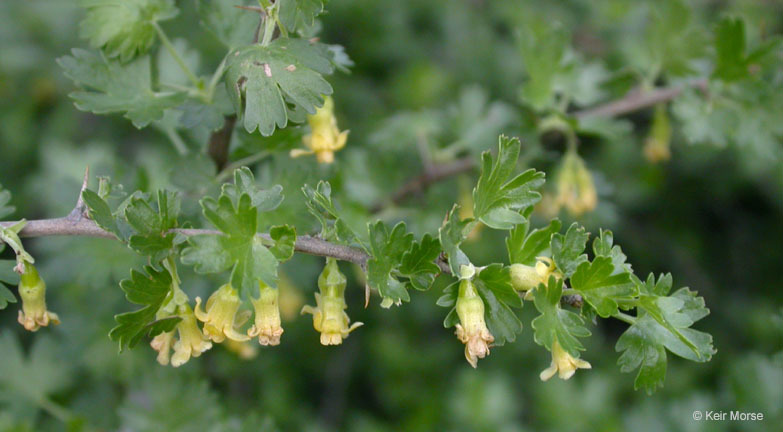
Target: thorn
{"x": 252, "y": 8}
{"x": 366, "y": 295}
{"x": 80, "y": 210}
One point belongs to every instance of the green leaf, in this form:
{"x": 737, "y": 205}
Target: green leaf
{"x": 152, "y": 224}
{"x": 240, "y": 249}
{"x": 603, "y": 246}
{"x": 149, "y": 289}
{"x": 299, "y": 13}
{"x": 730, "y": 62}
{"x": 542, "y": 48}
{"x": 387, "y": 249}
{"x": 284, "y": 237}
{"x": 524, "y": 247}
{"x": 30, "y": 379}
{"x": 125, "y": 28}
{"x": 675, "y": 314}
{"x": 263, "y": 200}
{"x": 494, "y": 286}
{"x": 6, "y": 296}
{"x": 498, "y": 201}
{"x": 5, "y": 198}
{"x": 101, "y": 213}
{"x": 567, "y": 250}
{"x": 319, "y": 203}
{"x": 262, "y": 80}
{"x": 418, "y": 262}
{"x": 663, "y": 323}
{"x": 7, "y": 273}
{"x": 556, "y": 323}
{"x": 601, "y": 288}
{"x": 452, "y": 234}
{"x": 642, "y": 350}
{"x": 232, "y": 26}
{"x": 117, "y": 88}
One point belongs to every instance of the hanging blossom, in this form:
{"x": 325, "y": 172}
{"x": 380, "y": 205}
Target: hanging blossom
{"x": 329, "y": 316}
{"x": 32, "y": 290}
{"x": 472, "y": 329}
{"x": 267, "y": 322}
{"x": 575, "y": 187}
{"x": 220, "y": 317}
{"x": 324, "y": 138}
{"x": 563, "y": 363}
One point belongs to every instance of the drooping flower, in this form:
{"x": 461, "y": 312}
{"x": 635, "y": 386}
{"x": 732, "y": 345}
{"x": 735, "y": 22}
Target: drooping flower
{"x": 32, "y": 290}
{"x": 191, "y": 341}
{"x": 472, "y": 329}
{"x": 267, "y": 323}
{"x": 221, "y": 315}
{"x": 657, "y": 146}
{"x": 329, "y": 316}
{"x": 324, "y": 138}
{"x": 563, "y": 363}
{"x": 162, "y": 344}
{"x": 575, "y": 187}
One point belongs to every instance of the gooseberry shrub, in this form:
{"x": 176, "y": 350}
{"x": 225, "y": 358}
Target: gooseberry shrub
{"x": 273, "y": 86}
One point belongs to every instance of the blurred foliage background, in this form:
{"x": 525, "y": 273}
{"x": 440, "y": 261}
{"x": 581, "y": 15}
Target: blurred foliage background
{"x": 449, "y": 74}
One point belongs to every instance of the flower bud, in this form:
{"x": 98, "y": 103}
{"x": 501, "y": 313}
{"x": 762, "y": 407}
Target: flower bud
{"x": 267, "y": 323}
{"x": 329, "y": 316}
{"x": 563, "y": 364}
{"x": 32, "y": 290}
{"x": 472, "y": 329}
{"x": 324, "y": 138}
{"x": 525, "y": 278}
{"x": 575, "y": 187}
{"x": 221, "y": 314}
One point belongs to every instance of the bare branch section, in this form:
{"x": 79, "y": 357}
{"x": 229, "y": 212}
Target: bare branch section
{"x": 304, "y": 243}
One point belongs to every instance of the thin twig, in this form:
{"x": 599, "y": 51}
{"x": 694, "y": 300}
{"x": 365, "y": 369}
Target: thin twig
{"x": 637, "y": 99}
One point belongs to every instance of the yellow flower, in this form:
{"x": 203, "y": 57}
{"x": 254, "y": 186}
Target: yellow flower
{"x": 329, "y": 316}
{"x": 658, "y": 142}
{"x": 162, "y": 344}
{"x": 525, "y": 278}
{"x": 324, "y": 138}
{"x": 472, "y": 329}
{"x": 220, "y": 316}
{"x": 575, "y": 187}
{"x": 563, "y": 363}
{"x": 32, "y": 290}
{"x": 267, "y": 323}
{"x": 191, "y": 341}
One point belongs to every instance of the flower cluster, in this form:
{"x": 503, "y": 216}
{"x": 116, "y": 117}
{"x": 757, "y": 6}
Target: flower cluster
{"x": 329, "y": 316}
